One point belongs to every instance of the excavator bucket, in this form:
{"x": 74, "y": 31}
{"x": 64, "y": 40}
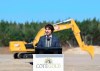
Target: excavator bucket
{"x": 90, "y": 50}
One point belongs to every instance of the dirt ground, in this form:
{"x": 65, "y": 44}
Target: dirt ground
{"x": 74, "y": 60}
{"x": 4, "y": 50}
{"x": 77, "y": 50}
{"x": 69, "y": 50}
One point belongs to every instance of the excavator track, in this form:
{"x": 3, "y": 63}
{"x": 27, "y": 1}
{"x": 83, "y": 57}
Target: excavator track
{"x": 23, "y": 55}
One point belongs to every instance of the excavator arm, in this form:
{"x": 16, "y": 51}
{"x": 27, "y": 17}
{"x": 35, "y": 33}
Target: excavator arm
{"x": 69, "y": 24}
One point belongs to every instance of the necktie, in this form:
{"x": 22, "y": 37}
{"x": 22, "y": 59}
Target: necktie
{"x": 48, "y": 42}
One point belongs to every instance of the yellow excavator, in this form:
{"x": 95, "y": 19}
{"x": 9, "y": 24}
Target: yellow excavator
{"x": 23, "y": 49}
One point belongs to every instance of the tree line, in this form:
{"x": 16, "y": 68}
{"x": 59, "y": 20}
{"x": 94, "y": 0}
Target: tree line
{"x": 12, "y": 31}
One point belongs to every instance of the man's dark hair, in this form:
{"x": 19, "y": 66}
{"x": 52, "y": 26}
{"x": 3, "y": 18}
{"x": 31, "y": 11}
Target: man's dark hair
{"x": 50, "y": 27}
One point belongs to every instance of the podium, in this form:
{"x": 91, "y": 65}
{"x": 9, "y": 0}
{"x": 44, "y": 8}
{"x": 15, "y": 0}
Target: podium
{"x": 48, "y": 62}
{"x": 48, "y": 50}
{"x": 48, "y": 59}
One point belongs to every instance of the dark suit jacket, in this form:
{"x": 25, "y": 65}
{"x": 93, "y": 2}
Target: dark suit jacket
{"x": 55, "y": 42}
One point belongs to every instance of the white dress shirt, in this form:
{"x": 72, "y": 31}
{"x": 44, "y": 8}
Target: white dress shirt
{"x": 48, "y": 41}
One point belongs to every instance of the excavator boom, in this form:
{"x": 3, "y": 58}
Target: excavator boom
{"x": 69, "y": 24}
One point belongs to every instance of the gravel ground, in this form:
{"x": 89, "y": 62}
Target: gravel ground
{"x": 72, "y": 62}
{"x": 7, "y": 63}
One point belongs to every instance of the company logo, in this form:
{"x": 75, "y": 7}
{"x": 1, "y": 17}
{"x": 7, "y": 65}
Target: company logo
{"x": 48, "y": 61}
{"x": 56, "y": 27}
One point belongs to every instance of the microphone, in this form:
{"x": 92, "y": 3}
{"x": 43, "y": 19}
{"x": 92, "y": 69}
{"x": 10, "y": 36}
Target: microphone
{"x": 48, "y": 38}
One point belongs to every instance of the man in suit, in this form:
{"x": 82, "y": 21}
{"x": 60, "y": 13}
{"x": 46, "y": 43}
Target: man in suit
{"x": 48, "y": 40}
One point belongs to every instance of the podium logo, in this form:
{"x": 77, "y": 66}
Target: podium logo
{"x": 48, "y": 61}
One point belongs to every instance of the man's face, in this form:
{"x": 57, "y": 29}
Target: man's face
{"x": 48, "y": 31}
